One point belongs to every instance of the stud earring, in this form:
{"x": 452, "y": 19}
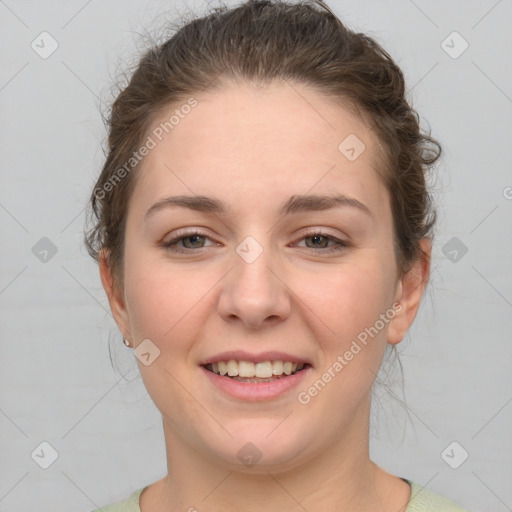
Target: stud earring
{"x": 126, "y": 342}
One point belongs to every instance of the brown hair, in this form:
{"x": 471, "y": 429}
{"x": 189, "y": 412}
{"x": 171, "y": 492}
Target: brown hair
{"x": 261, "y": 41}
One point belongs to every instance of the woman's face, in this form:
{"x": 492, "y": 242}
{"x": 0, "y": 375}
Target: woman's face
{"x": 273, "y": 277}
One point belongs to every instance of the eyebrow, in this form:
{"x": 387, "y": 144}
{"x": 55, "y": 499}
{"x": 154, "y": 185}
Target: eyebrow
{"x": 295, "y": 204}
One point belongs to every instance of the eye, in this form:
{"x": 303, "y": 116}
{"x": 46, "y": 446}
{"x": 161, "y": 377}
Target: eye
{"x": 316, "y": 237}
{"x": 194, "y": 240}
{"x": 194, "y": 237}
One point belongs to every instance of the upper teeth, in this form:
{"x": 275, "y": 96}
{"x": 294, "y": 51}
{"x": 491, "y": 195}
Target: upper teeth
{"x": 249, "y": 369}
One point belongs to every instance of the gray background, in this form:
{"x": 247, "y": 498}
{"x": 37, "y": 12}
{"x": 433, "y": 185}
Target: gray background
{"x": 56, "y": 379}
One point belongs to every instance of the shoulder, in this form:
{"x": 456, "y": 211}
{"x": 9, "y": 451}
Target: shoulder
{"x": 130, "y": 504}
{"x": 423, "y": 500}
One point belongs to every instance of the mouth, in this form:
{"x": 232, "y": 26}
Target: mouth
{"x": 256, "y": 372}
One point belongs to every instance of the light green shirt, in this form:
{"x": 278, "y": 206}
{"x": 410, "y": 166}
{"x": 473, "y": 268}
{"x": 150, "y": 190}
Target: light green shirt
{"x": 422, "y": 500}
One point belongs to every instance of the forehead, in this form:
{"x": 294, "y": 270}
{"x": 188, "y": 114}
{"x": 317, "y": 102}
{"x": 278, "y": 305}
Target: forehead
{"x": 247, "y": 142}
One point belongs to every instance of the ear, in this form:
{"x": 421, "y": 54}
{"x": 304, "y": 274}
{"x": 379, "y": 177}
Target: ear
{"x": 409, "y": 292}
{"x": 115, "y": 296}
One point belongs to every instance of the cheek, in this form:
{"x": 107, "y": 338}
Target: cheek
{"x": 161, "y": 309}
{"x": 165, "y": 301}
{"x": 351, "y": 336}
{"x": 350, "y": 298}
{"x": 353, "y": 346}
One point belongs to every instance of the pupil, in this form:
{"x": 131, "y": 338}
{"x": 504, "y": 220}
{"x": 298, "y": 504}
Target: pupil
{"x": 316, "y": 238}
{"x": 194, "y": 238}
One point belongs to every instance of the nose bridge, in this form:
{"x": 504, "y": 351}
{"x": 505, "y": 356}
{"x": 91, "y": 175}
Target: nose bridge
{"x": 252, "y": 292}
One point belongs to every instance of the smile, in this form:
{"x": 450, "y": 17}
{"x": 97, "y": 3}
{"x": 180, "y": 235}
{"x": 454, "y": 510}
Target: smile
{"x": 246, "y": 384}
{"x": 248, "y": 371}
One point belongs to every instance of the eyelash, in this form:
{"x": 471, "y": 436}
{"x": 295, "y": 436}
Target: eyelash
{"x": 340, "y": 244}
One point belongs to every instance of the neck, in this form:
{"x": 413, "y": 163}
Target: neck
{"x": 340, "y": 477}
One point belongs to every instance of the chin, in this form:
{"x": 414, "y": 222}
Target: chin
{"x": 257, "y": 452}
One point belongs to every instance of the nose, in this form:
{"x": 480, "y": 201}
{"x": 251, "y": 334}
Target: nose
{"x": 253, "y": 293}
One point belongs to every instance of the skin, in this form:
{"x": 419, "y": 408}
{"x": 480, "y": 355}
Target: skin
{"x": 253, "y": 148}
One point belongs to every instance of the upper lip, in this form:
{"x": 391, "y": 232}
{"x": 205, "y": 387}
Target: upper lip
{"x": 241, "y": 355}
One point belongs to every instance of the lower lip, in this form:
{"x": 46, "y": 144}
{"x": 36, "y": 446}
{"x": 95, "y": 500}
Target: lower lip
{"x": 253, "y": 391}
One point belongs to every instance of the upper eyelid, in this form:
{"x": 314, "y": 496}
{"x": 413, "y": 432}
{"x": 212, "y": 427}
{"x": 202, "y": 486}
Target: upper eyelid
{"x": 185, "y": 234}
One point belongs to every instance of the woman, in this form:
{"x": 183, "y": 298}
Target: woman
{"x": 263, "y": 231}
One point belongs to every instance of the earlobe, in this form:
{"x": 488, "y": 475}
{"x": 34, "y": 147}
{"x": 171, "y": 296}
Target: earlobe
{"x": 409, "y": 293}
{"x": 114, "y": 295}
